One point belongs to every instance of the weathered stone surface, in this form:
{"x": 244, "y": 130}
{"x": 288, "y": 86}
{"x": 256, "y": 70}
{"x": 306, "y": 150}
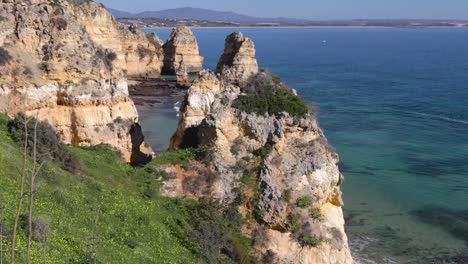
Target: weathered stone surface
{"x": 138, "y": 53}
{"x": 59, "y": 74}
{"x": 181, "y": 56}
{"x": 301, "y": 164}
{"x": 238, "y": 61}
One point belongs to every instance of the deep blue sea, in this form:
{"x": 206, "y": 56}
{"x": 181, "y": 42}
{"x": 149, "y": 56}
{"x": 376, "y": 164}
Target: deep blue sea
{"x": 394, "y": 103}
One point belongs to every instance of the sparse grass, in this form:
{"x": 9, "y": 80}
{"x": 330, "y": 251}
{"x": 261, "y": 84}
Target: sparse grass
{"x": 179, "y": 156}
{"x": 103, "y": 215}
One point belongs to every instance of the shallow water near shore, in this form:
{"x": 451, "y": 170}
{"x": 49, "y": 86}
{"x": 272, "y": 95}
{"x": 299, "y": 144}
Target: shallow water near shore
{"x": 394, "y": 103}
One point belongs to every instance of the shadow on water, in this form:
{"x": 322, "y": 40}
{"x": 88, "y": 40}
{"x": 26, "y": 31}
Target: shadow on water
{"x": 430, "y": 167}
{"x": 452, "y": 221}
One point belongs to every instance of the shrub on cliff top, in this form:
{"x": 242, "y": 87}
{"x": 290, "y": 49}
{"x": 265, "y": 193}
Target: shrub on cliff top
{"x": 266, "y": 93}
{"x": 4, "y": 56}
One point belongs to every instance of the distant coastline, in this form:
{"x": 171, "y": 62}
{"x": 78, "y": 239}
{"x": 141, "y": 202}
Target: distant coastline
{"x": 292, "y": 27}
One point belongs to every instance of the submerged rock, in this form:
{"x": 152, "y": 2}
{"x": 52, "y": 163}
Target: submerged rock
{"x": 181, "y": 56}
{"x": 238, "y": 61}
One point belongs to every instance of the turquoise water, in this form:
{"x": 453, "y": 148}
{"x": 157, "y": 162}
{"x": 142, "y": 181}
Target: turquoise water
{"x": 394, "y": 102}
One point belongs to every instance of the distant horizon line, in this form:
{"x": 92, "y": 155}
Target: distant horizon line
{"x": 298, "y": 18}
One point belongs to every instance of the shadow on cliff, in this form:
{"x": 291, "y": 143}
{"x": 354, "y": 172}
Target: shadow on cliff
{"x": 138, "y": 157}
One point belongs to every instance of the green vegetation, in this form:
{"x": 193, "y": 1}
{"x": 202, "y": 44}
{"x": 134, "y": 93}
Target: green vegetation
{"x": 4, "y": 56}
{"x": 311, "y": 241}
{"x": 105, "y": 214}
{"x": 316, "y": 214}
{"x": 304, "y": 201}
{"x": 293, "y": 223}
{"x": 180, "y": 156}
{"x": 267, "y": 94}
{"x": 264, "y": 151}
{"x": 49, "y": 145}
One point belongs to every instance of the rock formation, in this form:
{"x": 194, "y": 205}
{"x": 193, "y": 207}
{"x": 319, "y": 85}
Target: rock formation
{"x": 138, "y": 53}
{"x": 297, "y": 164}
{"x": 181, "y": 56}
{"x": 55, "y": 71}
{"x": 238, "y": 61}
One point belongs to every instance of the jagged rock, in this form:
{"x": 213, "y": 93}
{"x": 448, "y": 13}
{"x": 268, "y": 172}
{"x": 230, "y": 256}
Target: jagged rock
{"x": 205, "y": 93}
{"x": 238, "y": 61}
{"x": 59, "y": 74}
{"x": 181, "y": 56}
{"x": 138, "y": 53}
{"x": 301, "y": 164}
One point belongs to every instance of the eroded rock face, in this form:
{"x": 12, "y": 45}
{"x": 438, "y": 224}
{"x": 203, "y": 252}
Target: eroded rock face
{"x": 181, "y": 56}
{"x": 138, "y": 53}
{"x": 57, "y": 73}
{"x": 297, "y": 162}
{"x": 238, "y": 61}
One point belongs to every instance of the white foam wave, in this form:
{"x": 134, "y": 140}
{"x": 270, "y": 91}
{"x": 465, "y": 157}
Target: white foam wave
{"x": 177, "y": 107}
{"x": 360, "y": 245}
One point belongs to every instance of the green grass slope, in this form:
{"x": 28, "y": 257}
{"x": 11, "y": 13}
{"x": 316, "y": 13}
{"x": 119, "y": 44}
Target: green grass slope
{"x": 108, "y": 213}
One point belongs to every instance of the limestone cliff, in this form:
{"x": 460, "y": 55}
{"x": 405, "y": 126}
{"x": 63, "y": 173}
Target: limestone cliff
{"x": 181, "y": 56}
{"x": 277, "y": 167}
{"x": 138, "y": 54}
{"x": 55, "y": 71}
{"x": 238, "y": 61}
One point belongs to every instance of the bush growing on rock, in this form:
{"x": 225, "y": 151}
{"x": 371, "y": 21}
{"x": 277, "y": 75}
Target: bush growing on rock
{"x": 316, "y": 214}
{"x": 4, "y": 56}
{"x": 264, "y": 151}
{"x": 304, "y": 201}
{"x": 309, "y": 240}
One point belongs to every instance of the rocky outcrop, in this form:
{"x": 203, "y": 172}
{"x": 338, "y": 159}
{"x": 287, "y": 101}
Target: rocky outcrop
{"x": 181, "y": 56}
{"x": 58, "y": 73}
{"x": 278, "y": 168}
{"x": 139, "y": 54}
{"x": 238, "y": 61}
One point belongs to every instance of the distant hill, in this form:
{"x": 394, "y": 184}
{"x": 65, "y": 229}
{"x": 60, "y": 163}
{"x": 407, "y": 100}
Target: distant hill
{"x": 194, "y": 16}
{"x": 191, "y": 13}
{"x": 120, "y": 14}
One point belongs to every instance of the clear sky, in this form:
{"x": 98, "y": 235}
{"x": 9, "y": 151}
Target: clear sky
{"x": 312, "y": 9}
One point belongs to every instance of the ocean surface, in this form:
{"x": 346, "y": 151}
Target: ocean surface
{"x": 394, "y": 103}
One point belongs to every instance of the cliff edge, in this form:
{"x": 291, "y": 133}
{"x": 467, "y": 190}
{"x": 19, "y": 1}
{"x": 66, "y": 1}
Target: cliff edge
{"x": 269, "y": 157}
{"x": 54, "y": 69}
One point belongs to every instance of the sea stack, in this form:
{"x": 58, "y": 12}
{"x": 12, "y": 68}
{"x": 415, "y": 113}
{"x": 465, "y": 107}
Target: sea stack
{"x": 238, "y": 61}
{"x": 293, "y": 204}
{"x": 181, "y": 56}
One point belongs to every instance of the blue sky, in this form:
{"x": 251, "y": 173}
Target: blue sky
{"x": 313, "y": 9}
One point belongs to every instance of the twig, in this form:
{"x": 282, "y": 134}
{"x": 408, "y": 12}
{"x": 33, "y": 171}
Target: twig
{"x": 21, "y": 194}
